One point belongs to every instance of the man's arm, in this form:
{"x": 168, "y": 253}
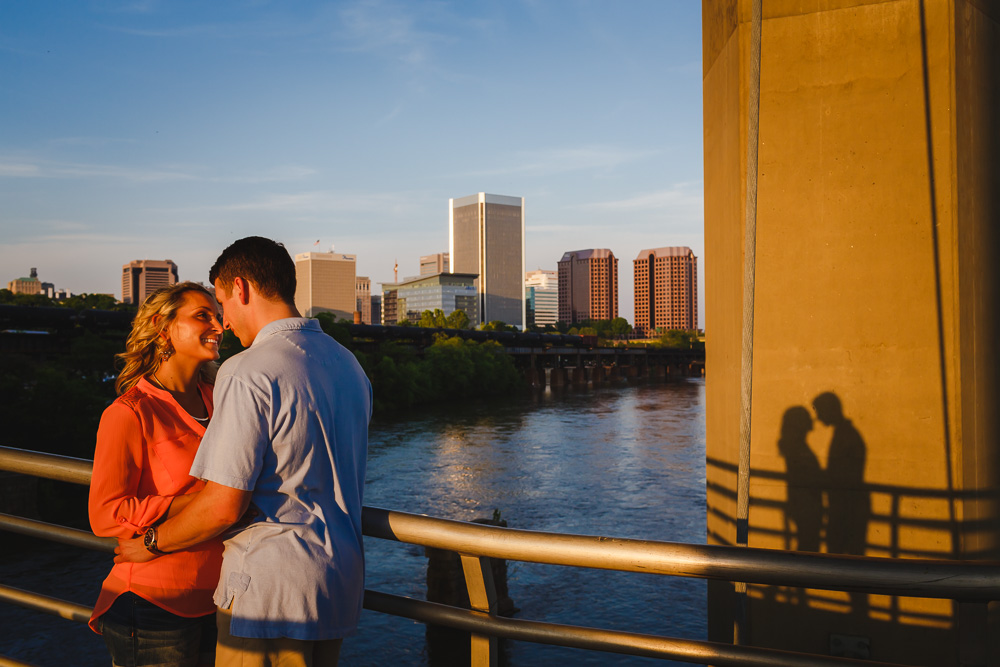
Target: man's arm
{"x": 214, "y": 509}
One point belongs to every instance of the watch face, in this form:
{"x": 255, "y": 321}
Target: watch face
{"x": 147, "y": 539}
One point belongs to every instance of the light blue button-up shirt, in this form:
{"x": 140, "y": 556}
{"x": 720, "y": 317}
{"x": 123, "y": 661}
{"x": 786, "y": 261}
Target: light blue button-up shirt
{"x": 291, "y": 425}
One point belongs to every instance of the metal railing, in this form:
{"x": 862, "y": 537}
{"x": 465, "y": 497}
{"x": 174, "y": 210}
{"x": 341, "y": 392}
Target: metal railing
{"x": 969, "y": 583}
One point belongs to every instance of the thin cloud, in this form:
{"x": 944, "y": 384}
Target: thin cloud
{"x": 684, "y": 196}
{"x": 37, "y": 168}
{"x": 560, "y": 160}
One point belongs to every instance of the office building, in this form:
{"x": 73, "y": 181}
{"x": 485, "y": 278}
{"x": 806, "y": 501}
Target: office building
{"x": 541, "y": 297}
{"x": 446, "y": 292}
{"x": 142, "y": 277}
{"x": 486, "y": 238}
{"x": 363, "y": 298}
{"x": 432, "y": 264}
{"x": 389, "y": 317}
{"x": 375, "y": 303}
{"x": 326, "y": 283}
{"x": 588, "y": 285}
{"x": 666, "y": 290}
{"x": 29, "y": 285}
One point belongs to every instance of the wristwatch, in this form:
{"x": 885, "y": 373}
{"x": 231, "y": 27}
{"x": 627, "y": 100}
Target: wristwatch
{"x": 149, "y": 541}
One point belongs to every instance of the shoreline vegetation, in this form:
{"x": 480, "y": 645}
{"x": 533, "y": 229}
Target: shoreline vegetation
{"x": 53, "y": 396}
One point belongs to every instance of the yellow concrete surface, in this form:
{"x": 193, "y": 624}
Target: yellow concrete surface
{"x": 876, "y": 288}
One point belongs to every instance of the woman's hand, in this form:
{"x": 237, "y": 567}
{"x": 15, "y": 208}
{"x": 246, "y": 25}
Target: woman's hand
{"x": 133, "y": 550}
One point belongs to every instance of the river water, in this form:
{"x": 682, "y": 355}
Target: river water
{"x": 625, "y": 461}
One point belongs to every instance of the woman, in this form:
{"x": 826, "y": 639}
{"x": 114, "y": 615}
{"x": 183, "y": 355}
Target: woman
{"x": 160, "y": 612}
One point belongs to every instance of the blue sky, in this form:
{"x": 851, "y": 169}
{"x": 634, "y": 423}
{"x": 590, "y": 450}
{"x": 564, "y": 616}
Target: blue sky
{"x": 146, "y": 129}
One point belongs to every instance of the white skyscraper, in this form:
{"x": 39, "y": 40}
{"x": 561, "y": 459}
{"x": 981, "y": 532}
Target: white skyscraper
{"x": 486, "y": 237}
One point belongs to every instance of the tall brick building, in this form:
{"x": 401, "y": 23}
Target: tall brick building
{"x": 588, "y": 285}
{"x": 666, "y": 289}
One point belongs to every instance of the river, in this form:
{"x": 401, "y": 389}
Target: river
{"x": 625, "y": 461}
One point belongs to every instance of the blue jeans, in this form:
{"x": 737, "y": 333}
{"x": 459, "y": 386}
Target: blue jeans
{"x": 140, "y": 634}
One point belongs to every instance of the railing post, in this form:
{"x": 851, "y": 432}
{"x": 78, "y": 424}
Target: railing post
{"x": 973, "y": 634}
{"x": 482, "y": 597}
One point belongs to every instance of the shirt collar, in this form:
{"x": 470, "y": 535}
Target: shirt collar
{"x": 287, "y": 324}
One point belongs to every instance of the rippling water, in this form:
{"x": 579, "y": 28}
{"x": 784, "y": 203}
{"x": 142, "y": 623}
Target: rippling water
{"x": 622, "y": 462}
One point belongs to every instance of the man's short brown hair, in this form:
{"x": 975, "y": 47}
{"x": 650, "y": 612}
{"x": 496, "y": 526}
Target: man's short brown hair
{"x": 263, "y": 263}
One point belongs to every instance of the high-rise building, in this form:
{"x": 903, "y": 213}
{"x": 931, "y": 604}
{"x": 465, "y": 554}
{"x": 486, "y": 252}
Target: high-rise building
{"x": 29, "y": 285}
{"x": 376, "y": 306}
{"x": 437, "y": 263}
{"x": 446, "y": 292}
{"x": 541, "y": 297}
{"x": 389, "y": 317}
{"x": 486, "y": 238}
{"x": 326, "y": 283}
{"x": 363, "y": 296}
{"x": 588, "y": 285}
{"x": 142, "y": 277}
{"x": 666, "y": 290}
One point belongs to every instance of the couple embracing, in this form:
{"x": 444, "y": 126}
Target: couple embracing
{"x": 235, "y": 492}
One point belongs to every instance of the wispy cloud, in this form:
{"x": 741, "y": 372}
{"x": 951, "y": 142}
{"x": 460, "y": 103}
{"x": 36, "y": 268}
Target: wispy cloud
{"x": 11, "y": 167}
{"x": 326, "y": 201}
{"x": 686, "y": 197}
{"x": 386, "y": 28}
{"x": 559, "y": 160}
{"x": 33, "y": 168}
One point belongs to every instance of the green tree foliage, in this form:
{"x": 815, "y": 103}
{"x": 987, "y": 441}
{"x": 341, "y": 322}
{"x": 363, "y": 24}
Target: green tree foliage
{"x": 338, "y": 329}
{"x": 437, "y": 319}
{"x": 96, "y": 301}
{"x": 620, "y": 326}
{"x": 685, "y": 340}
{"x": 450, "y": 369}
{"x": 457, "y": 320}
{"x": 496, "y": 325}
{"x": 9, "y": 298}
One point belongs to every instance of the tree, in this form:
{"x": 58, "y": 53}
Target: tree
{"x": 620, "y": 326}
{"x": 496, "y": 325}
{"x": 457, "y": 320}
{"x": 685, "y": 340}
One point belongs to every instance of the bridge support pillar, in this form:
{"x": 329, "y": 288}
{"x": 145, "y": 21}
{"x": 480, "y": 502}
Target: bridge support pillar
{"x": 557, "y": 377}
{"x": 868, "y": 340}
{"x": 579, "y": 375}
{"x": 597, "y": 374}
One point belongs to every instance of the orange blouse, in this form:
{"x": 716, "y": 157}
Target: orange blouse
{"x": 145, "y": 445}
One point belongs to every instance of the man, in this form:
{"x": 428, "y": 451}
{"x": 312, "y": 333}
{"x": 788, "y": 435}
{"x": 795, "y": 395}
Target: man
{"x": 289, "y": 435}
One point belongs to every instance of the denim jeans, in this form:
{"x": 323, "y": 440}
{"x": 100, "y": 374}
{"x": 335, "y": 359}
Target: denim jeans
{"x": 140, "y": 634}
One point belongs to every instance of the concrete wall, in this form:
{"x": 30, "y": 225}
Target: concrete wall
{"x": 876, "y": 290}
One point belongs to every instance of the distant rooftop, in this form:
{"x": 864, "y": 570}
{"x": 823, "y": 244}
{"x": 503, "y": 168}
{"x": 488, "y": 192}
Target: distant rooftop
{"x": 590, "y": 253}
{"x": 672, "y": 251}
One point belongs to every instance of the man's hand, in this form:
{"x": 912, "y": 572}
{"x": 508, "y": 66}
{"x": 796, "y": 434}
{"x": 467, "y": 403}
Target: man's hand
{"x": 133, "y": 550}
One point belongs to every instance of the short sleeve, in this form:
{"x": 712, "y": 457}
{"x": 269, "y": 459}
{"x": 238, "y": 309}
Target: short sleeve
{"x": 232, "y": 450}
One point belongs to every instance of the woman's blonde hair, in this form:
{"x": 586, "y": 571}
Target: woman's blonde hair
{"x": 145, "y": 346}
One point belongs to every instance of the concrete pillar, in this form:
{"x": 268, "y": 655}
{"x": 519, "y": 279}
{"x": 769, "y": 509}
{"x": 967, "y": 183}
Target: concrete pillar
{"x": 875, "y": 365}
{"x": 579, "y": 376}
{"x": 557, "y": 377}
{"x": 614, "y": 373}
{"x": 597, "y": 374}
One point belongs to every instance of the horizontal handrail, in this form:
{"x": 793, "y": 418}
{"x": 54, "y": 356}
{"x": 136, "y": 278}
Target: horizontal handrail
{"x": 49, "y": 466}
{"x": 62, "y": 534}
{"x": 71, "y": 611}
{"x": 958, "y": 580}
{"x": 596, "y": 639}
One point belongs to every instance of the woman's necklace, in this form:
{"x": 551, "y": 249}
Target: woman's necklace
{"x": 157, "y": 381}
{"x": 200, "y": 420}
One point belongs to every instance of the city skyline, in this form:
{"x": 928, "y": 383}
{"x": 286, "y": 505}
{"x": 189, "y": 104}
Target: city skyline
{"x": 153, "y": 130}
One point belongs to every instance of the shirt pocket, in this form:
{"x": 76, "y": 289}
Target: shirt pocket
{"x": 171, "y": 462}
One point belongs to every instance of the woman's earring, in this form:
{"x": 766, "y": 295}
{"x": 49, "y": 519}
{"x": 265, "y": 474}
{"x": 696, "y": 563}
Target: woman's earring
{"x": 166, "y": 352}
